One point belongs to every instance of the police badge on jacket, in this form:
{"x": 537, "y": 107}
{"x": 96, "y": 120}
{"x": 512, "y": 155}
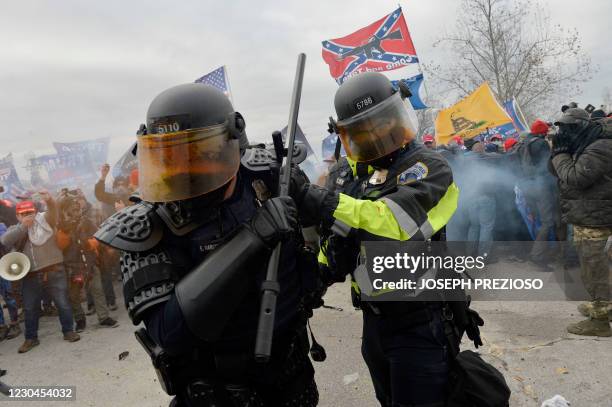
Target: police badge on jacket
{"x": 388, "y": 188}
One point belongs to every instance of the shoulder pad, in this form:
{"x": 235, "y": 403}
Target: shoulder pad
{"x": 136, "y": 228}
{"x": 257, "y": 159}
{"x": 182, "y": 217}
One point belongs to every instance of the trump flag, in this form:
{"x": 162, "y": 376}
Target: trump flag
{"x": 382, "y": 46}
{"x": 96, "y": 149}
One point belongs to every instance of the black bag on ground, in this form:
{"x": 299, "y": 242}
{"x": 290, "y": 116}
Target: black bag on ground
{"x": 475, "y": 383}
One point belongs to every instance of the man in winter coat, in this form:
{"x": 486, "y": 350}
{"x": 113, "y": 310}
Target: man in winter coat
{"x": 582, "y": 160}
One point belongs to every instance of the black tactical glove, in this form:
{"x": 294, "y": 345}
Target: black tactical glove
{"x": 561, "y": 142}
{"x": 297, "y": 182}
{"x": 314, "y": 203}
{"x": 342, "y": 255}
{"x": 275, "y": 220}
{"x": 472, "y": 330}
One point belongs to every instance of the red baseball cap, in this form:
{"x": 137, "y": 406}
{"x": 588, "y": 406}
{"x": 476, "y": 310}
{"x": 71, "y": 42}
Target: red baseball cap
{"x": 428, "y": 138}
{"x": 25, "y": 207}
{"x": 458, "y": 140}
{"x": 509, "y": 143}
{"x": 496, "y": 137}
{"x": 539, "y": 127}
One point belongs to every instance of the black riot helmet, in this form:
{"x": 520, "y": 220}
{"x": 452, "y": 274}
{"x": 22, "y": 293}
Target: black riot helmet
{"x": 191, "y": 145}
{"x": 374, "y": 119}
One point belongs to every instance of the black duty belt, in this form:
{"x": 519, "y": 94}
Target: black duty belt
{"x": 418, "y": 311}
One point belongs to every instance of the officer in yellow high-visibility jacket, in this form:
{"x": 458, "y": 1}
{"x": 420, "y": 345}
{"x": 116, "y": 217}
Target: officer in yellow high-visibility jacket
{"x": 388, "y": 188}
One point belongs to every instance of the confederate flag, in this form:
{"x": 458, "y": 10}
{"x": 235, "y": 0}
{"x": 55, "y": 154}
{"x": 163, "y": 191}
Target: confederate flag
{"x": 382, "y": 46}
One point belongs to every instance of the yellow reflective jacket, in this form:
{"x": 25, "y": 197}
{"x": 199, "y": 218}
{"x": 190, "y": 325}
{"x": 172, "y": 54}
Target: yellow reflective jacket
{"x": 413, "y": 200}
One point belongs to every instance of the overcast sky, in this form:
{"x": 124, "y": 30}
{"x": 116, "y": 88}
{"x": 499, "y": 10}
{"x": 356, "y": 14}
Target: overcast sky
{"x": 74, "y": 70}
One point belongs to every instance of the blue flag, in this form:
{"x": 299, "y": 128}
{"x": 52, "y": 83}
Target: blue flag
{"x": 9, "y": 180}
{"x": 511, "y": 108}
{"x": 67, "y": 170}
{"x": 126, "y": 164}
{"x": 328, "y": 147}
{"x": 96, "y": 150}
{"x": 414, "y": 83}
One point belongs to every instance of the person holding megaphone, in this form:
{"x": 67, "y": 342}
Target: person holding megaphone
{"x": 34, "y": 236}
{"x": 12, "y": 329}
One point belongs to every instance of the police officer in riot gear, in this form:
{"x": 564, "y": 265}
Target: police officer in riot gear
{"x": 194, "y": 254}
{"x": 387, "y": 188}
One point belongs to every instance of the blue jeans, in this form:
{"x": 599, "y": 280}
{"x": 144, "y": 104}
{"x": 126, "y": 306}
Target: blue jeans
{"x": 57, "y": 285}
{"x": 482, "y": 223}
{"x": 459, "y": 224}
{"x": 5, "y": 292}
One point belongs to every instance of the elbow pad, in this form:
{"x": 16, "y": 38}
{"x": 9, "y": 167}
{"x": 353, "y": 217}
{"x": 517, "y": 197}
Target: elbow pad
{"x": 209, "y": 294}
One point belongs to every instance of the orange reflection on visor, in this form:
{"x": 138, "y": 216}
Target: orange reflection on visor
{"x": 186, "y": 164}
{"x": 378, "y": 131}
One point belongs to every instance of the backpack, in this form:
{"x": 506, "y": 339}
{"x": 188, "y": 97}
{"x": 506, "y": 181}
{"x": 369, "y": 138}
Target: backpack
{"x": 525, "y": 158}
{"x": 475, "y": 383}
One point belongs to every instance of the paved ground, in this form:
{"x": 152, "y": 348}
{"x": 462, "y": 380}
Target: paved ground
{"x": 526, "y": 341}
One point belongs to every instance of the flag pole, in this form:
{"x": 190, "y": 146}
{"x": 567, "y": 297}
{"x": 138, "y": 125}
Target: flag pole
{"x": 419, "y": 64}
{"x": 518, "y": 108}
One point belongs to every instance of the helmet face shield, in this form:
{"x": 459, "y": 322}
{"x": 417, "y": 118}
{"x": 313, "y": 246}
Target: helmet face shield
{"x": 186, "y": 164}
{"x": 379, "y": 130}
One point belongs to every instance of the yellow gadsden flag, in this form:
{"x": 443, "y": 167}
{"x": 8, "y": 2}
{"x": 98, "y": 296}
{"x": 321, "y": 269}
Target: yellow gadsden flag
{"x": 471, "y": 116}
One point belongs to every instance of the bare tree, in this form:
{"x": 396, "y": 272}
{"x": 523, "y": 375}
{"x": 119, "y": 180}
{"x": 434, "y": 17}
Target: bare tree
{"x": 427, "y": 117}
{"x": 513, "y": 46}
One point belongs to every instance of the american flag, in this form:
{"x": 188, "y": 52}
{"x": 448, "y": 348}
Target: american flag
{"x": 217, "y": 78}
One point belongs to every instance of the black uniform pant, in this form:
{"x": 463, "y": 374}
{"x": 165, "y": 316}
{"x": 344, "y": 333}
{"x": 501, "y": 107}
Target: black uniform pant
{"x": 287, "y": 380}
{"x": 409, "y": 363}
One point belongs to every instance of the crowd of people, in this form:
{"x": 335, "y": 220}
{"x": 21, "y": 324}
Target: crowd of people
{"x": 68, "y": 267}
{"x": 550, "y": 183}
{"x": 199, "y": 229}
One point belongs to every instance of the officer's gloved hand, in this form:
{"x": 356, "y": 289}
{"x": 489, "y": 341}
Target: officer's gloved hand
{"x": 316, "y": 205}
{"x": 298, "y": 180}
{"x": 561, "y": 142}
{"x": 275, "y": 220}
{"x": 472, "y": 330}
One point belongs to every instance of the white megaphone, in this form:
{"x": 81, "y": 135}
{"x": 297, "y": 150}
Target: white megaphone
{"x": 14, "y": 266}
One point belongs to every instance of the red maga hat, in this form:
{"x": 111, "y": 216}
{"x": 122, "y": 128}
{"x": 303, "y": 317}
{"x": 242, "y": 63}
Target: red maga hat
{"x": 25, "y": 207}
{"x": 428, "y": 138}
{"x": 539, "y": 127}
{"x": 509, "y": 143}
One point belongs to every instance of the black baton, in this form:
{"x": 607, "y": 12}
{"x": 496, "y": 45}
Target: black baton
{"x": 270, "y": 287}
